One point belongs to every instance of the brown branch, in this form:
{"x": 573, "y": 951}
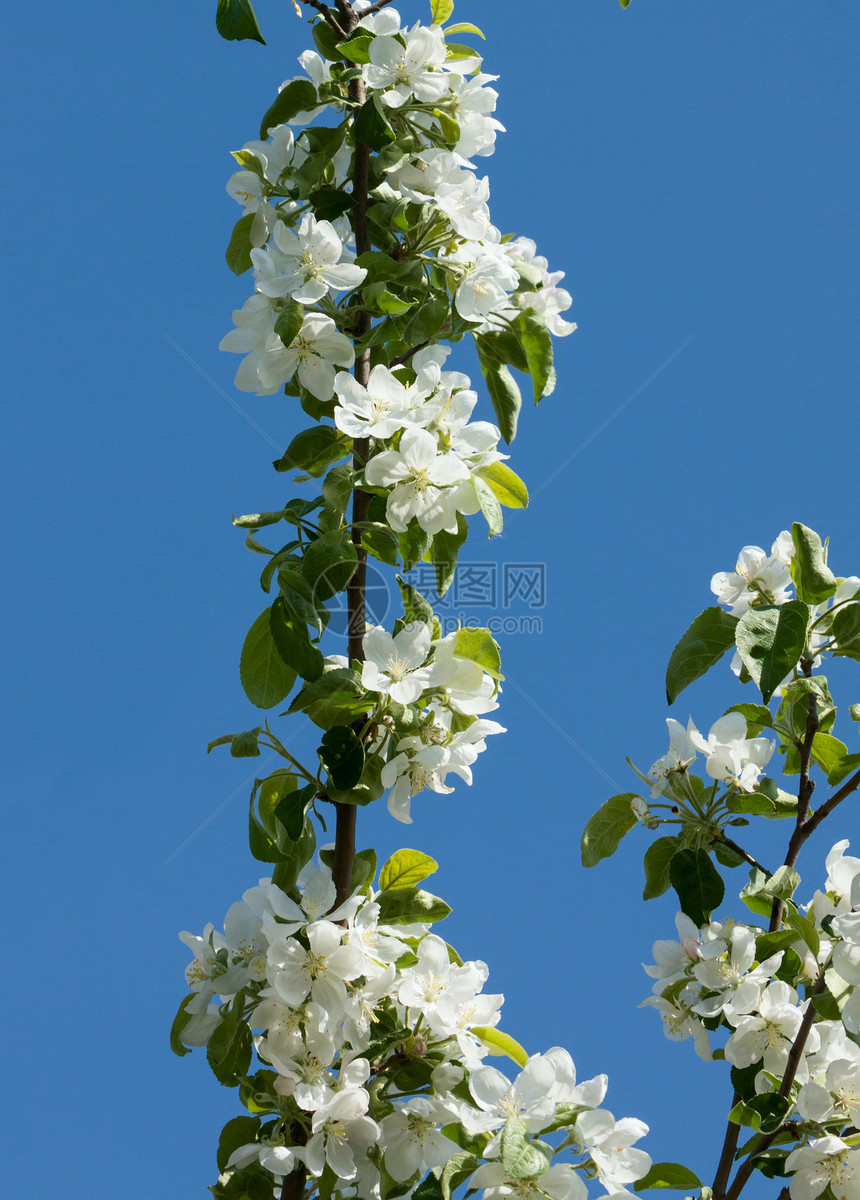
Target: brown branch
{"x": 328, "y": 15}
{"x": 404, "y": 358}
{"x": 724, "y": 1167}
{"x": 294, "y": 1183}
{"x": 804, "y": 796}
{"x": 748, "y": 858}
{"x": 376, "y": 7}
{"x": 792, "y": 1063}
{"x": 344, "y": 845}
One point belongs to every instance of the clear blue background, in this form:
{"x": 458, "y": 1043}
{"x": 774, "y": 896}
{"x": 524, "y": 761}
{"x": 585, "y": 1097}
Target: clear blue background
{"x": 693, "y": 169}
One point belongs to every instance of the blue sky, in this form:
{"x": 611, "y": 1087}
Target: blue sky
{"x": 693, "y": 169}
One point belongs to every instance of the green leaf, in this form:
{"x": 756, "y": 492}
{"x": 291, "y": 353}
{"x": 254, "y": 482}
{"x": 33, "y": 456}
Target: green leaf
{"x": 501, "y": 1044}
{"x": 336, "y": 698}
{"x": 406, "y": 906}
{"x": 771, "y": 640}
{"x": 330, "y": 203}
{"x": 291, "y": 809}
{"x": 414, "y": 544}
{"x": 854, "y": 712}
{"x": 507, "y": 486}
{"x": 705, "y": 642}
{"x": 265, "y": 835}
{"x": 490, "y": 506}
{"x": 698, "y": 884}
{"x": 313, "y": 450}
{"x": 758, "y": 717}
{"x": 430, "y": 317}
{"x": 846, "y": 623}
{"x": 456, "y": 1171}
{"x": 228, "y": 1051}
{"x": 668, "y": 1175}
{"x": 624, "y": 3}
{"x": 238, "y": 1132}
{"x": 179, "y": 1022}
{"x": 658, "y": 856}
{"x": 329, "y": 563}
{"x": 244, "y": 745}
{"x": 406, "y": 868}
{"x": 536, "y": 341}
{"x": 293, "y": 642}
{"x": 830, "y": 1004}
{"x": 296, "y": 97}
{"x": 446, "y": 549}
{"x": 478, "y": 646}
{"x": 342, "y": 755}
{"x": 805, "y": 927}
{"x": 440, "y": 11}
{"x": 371, "y": 126}
{"x": 326, "y": 40}
{"x": 355, "y": 48}
{"x": 607, "y": 827}
{"x": 265, "y": 676}
{"x": 522, "y": 1158}
{"x": 235, "y": 21}
{"x": 239, "y": 250}
{"x": 794, "y": 707}
{"x": 465, "y": 27}
{"x": 337, "y": 489}
{"x": 761, "y": 891}
{"x": 289, "y": 323}
{"x": 415, "y": 607}
{"x": 813, "y": 579}
{"x": 297, "y": 855}
{"x": 504, "y": 392}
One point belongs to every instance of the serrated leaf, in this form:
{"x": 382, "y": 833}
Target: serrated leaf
{"x": 704, "y": 644}
{"x": 536, "y": 341}
{"x": 264, "y": 675}
{"x": 289, "y": 322}
{"x": 698, "y": 884}
{"x": 771, "y": 641}
{"x": 293, "y": 643}
{"x": 296, "y": 97}
{"x": 507, "y": 486}
{"x": 658, "y": 856}
{"x": 238, "y": 254}
{"x": 408, "y": 906}
{"x": 480, "y": 647}
{"x": 446, "y": 549}
{"x": 291, "y": 808}
{"x": 670, "y": 1176}
{"x": 813, "y": 579}
{"x": 522, "y": 1158}
{"x": 607, "y": 827}
{"x": 179, "y": 1022}
{"x": 440, "y": 11}
{"x": 406, "y": 868}
{"x": 342, "y": 754}
{"x": 236, "y": 21}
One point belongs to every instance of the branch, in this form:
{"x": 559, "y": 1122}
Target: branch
{"x": 748, "y": 858}
{"x": 794, "y": 1057}
{"x": 376, "y": 7}
{"x": 328, "y": 15}
{"x": 294, "y": 1184}
{"x": 829, "y": 805}
{"x": 404, "y": 358}
{"x": 724, "y": 1167}
{"x": 344, "y": 843}
{"x": 804, "y": 795}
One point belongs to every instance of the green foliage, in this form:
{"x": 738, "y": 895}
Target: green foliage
{"x": 408, "y": 905}
{"x": 236, "y": 21}
{"x": 238, "y": 253}
{"x": 761, "y": 891}
{"x": 446, "y": 550}
{"x": 415, "y": 607}
{"x": 813, "y": 579}
{"x": 291, "y": 639}
{"x": 522, "y": 1157}
{"x": 342, "y": 755}
{"x": 771, "y": 640}
{"x": 291, "y": 810}
{"x": 336, "y": 698}
{"x": 705, "y": 642}
{"x": 229, "y": 1049}
{"x": 236, "y": 1133}
{"x": 698, "y": 884}
{"x": 506, "y": 485}
{"x": 607, "y": 827}
{"x": 296, "y": 97}
{"x": 671, "y": 1176}
{"x": 329, "y": 563}
{"x": 314, "y": 450}
{"x": 406, "y": 868}
{"x": 480, "y": 647}
{"x": 502, "y": 389}
{"x": 264, "y": 675}
{"x": 658, "y": 858}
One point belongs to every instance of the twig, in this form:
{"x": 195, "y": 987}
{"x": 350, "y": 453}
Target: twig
{"x": 403, "y": 358}
{"x": 376, "y": 7}
{"x": 328, "y": 15}
{"x": 804, "y": 795}
{"x": 730, "y": 1145}
{"x": 748, "y": 858}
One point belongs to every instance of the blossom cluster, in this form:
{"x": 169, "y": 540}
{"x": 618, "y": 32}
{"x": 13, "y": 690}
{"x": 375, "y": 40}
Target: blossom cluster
{"x": 730, "y": 756}
{"x": 372, "y": 1034}
{"x": 450, "y": 695}
{"x": 428, "y": 92}
{"x": 730, "y": 976}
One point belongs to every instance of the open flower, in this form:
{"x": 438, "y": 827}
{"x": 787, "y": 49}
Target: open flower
{"x": 421, "y": 480}
{"x": 314, "y": 353}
